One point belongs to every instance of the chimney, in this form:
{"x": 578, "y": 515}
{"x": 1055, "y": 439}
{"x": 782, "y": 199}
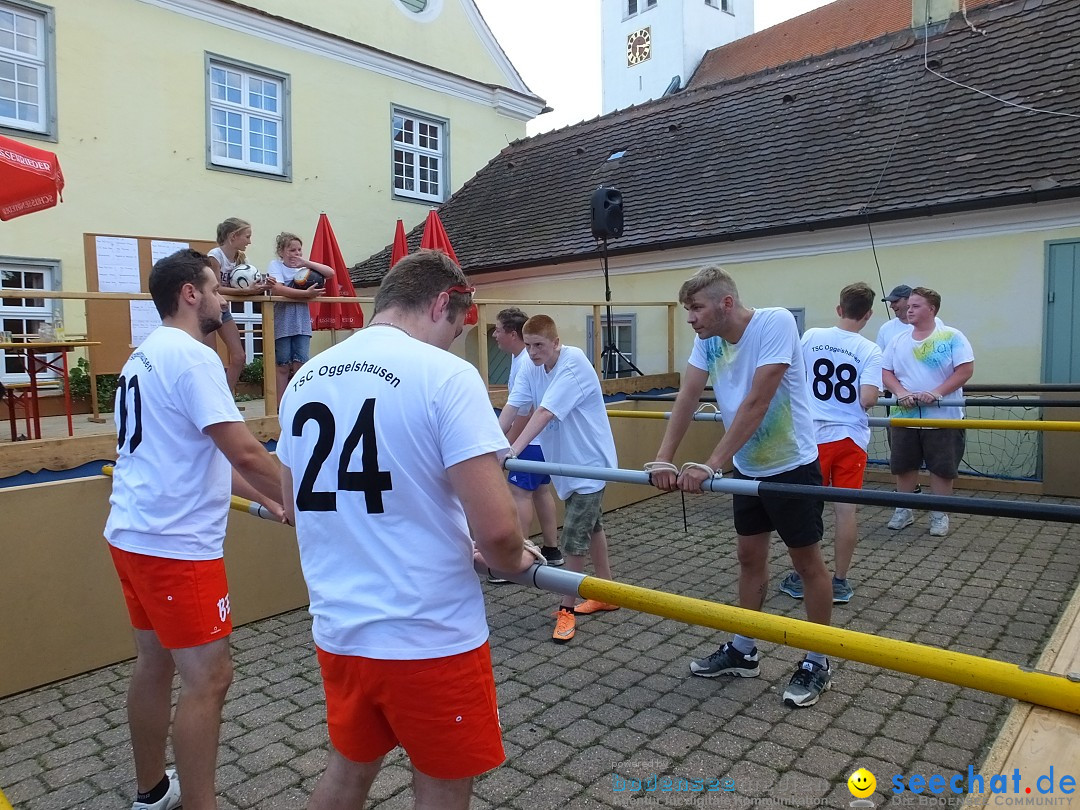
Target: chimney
{"x": 938, "y": 12}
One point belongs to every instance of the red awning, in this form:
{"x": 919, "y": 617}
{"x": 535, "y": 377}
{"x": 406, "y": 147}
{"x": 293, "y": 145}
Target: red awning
{"x": 30, "y": 179}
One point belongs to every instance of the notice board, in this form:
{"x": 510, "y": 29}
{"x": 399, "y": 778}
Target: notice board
{"x": 122, "y": 264}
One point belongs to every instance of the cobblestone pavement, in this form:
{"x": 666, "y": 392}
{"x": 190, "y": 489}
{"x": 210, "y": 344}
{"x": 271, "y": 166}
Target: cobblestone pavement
{"x": 619, "y": 698}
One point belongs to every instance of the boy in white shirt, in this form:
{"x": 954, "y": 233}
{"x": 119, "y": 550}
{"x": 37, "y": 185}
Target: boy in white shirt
{"x": 843, "y": 371}
{"x": 570, "y": 418}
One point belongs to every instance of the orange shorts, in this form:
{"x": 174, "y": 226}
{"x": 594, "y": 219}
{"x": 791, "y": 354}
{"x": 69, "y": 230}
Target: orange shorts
{"x": 842, "y": 464}
{"x": 442, "y": 711}
{"x": 185, "y": 602}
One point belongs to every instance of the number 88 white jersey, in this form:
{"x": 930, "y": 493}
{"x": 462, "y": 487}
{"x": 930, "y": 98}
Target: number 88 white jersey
{"x": 837, "y": 363}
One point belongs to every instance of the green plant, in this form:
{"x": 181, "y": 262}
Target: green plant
{"x": 253, "y": 372}
{"x": 79, "y": 383}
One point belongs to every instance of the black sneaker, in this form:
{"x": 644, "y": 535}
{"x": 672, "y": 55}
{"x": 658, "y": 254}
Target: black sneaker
{"x": 727, "y": 661}
{"x": 807, "y": 684}
{"x": 494, "y": 580}
{"x": 553, "y": 555}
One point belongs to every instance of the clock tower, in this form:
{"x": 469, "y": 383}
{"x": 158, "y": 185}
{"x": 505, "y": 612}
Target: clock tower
{"x": 646, "y": 44}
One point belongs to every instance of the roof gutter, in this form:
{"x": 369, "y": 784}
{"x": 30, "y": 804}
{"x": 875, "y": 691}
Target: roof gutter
{"x": 1025, "y": 198}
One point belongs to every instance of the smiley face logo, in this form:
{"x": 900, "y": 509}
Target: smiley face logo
{"x": 861, "y": 783}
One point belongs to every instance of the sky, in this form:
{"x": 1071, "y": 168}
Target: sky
{"x": 555, "y": 46}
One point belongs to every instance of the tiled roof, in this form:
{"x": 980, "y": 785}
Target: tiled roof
{"x": 831, "y": 27}
{"x": 867, "y": 132}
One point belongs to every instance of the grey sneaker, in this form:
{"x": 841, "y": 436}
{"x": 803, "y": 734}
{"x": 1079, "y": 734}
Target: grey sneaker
{"x": 902, "y": 518}
{"x": 727, "y": 661}
{"x": 807, "y": 684}
{"x": 170, "y": 801}
{"x": 792, "y": 585}
{"x": 939, "y": 524}
{"x": 841, "y": 591}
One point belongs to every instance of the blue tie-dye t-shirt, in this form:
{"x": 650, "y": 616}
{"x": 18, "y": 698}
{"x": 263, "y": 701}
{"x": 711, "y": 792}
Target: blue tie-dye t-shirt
{"x": 922, "y": 365}
{"x": 785, "y": 438}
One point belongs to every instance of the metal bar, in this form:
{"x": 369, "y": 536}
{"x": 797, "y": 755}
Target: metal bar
{"x": 881, "y": 421}
{"x": 1058, "y": 513}
{"x": 1022, "y": 683}
{"x": 889, "y": 402}
{"x": 1009, "y": 680}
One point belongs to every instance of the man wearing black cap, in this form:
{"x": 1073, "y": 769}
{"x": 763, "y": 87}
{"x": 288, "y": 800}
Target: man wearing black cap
{"x": 898, "y": 303}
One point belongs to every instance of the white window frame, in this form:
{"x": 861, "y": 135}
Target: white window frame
{"x": 624, "y": 324}
{"x": 414, "y": 155}
{"x": 46, "y": 310}
{"x": 248, "y": 317}
{"x": 245, "y": 117}
{"x": 638, "y": 7}
{"x": 723, "y": 5}
{"x": 43, "y": 62}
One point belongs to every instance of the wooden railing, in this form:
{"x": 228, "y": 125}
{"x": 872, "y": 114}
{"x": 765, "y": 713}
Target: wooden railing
{"x": 486, "y": 310}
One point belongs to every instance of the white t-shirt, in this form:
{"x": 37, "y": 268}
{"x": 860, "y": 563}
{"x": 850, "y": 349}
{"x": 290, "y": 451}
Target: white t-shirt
{"x": 837, "y": 363}
{"x": 226, "y": 266}
{"x": 171, "y": 484}
{"x": 580, "y": 433}
{"x": 893, "y": 328}
{"x": 785, "y": 438}
{"x": 922, "y": 365}
{"x": 521, "y": 360}
{"x": 368, "y": 429}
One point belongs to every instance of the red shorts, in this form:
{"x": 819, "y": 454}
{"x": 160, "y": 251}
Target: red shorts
{"x": 185, "y": 602}
{"x": 842, "y": 464}
{"x": 442, "y": 711}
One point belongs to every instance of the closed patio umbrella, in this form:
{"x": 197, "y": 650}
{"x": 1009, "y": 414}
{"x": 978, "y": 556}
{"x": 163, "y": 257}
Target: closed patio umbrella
{"x": 401, "y": 244}
{"x": 436, "y": 238}
{"x": 327, "y": 314}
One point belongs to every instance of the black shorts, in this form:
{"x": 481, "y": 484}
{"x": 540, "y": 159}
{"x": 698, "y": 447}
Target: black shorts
{"x": 796, "y": 520}
{"x": 941, "y": 448}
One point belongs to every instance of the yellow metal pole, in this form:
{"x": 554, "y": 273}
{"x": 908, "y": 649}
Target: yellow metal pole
{"x": 1010, "y": 680}
{"x": 969, "y": 424}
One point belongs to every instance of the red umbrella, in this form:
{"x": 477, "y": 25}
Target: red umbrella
{"x": 30, "y": 179}
{"x": 324, "y": 314}
{"x": 436, "y": 238}
{"x": 401, "y": 244}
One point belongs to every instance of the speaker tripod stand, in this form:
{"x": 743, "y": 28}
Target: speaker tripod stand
{"x": 611, "y": 355}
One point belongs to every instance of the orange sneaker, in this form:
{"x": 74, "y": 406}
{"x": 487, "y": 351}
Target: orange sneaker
{"x": 593, "y": 606}
{"x": 564, "y": 626}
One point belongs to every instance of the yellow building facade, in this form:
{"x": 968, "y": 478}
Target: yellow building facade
{"x": 169, "y": 116}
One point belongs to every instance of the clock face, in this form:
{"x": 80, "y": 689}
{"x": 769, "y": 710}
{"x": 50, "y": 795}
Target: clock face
{"x": 638, "y": 46}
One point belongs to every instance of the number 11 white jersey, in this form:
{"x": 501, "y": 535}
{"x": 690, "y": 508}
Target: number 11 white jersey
{"x": 838, "y": 362}
{"x": 171, "y": 484}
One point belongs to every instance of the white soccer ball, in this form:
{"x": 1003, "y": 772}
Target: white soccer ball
{"x": 246, "y": 275}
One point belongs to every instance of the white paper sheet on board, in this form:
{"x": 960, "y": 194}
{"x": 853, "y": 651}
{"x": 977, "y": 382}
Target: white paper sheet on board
{"x": 160, "y": 249}
{"x": 117, "y": 263}
{"x": 144, "y": 320}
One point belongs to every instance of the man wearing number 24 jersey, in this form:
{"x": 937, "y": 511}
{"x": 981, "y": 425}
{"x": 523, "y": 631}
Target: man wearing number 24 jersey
{"x": 389, "y": 445}
{"x": 178, "y": 432}
{"x": 843, "y": 371}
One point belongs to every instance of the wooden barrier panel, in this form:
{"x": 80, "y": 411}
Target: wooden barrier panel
{"x": 61, "y": 601}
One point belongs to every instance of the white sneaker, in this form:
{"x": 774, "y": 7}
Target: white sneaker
{"x": 170, "y": 801}
{"x": 939, "y": 524}
{"x": 902, "y": 518}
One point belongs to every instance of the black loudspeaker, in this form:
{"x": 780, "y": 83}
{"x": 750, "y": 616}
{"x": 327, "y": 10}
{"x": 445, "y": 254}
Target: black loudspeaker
{"x": 607, "y": 213}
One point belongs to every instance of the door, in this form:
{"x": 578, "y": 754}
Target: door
{"x": 1061, "y": 354}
